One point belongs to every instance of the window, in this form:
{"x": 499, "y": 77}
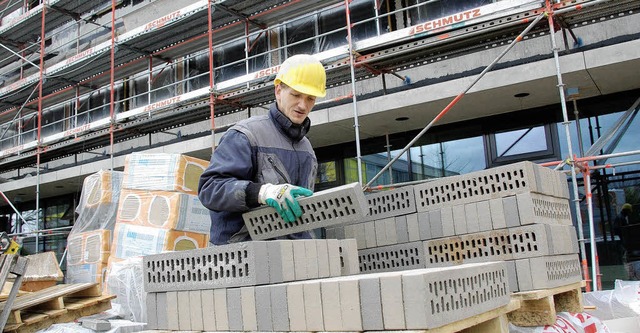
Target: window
{"x": 534, "y": 143}
{"x": 197, "y": 71}
{"x": 299, "y": 36}
{"x": 53, "y": 120}
{"x": 229, "y": 61}
{"x": 448, "y": 158}
{"x": 163, "y": 83}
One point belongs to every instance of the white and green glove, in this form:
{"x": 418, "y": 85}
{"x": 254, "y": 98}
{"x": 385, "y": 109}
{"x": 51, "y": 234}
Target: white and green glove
{"x": 282, "y": 197}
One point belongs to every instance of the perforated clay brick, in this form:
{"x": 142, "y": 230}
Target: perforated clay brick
{"x": 341, "y": 205}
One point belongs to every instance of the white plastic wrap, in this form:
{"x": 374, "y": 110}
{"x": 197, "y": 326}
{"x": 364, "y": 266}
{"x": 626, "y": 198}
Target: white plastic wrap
{"x": 98, "y": 202}
{"x": 621, "y": 302}
{"x": 88, "y": 243}
{"x": 125, "y": 281}
{"x": 163, "y": 172}
{"x": 566, "y": 323}
{"x": 117, "y": 326}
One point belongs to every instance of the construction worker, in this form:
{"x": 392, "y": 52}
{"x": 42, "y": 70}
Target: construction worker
{"x": 622, "y": 219}
{"x": 266, "y": 160}
{"x": 629, "y": 234}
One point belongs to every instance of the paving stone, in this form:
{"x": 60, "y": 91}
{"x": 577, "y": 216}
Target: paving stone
{"x": 511, "y": 215}
{"x": 300, "y": 260}
{"x": 513, "y": 275}
{"x": 311, "y": 259}
{"x": 340, "y": 205}
{"x": 279, "y": 308}
{"x": 195, "y": 312}
{"x": 563, "y": 239}
{"x": 446, "y": 215}
{"x": 314, "y": 316}
{"x": 152, "y": 310}
{"x": 414, "y": 295}
{"x": 162, "y": 307}
{"x": 402, "y": 233}
{"x": 497, "y": 213}
{"x": 296, "y": 306}
{"x": 350, "y": 306}
{"x": 413, "y": 228}
{"x": 276, "y": 261}
{"x": 371, "y": 239}
{"x": 484, "y": 216}
{"x": 286, "y": 259}
{"x": 234, "y": 309}
{"x": 390, "y": 203}
{"x": 381, "y": 233}
{"x": 208, "y": 310}
{"x": 220, "y": 306}
{"x": 524, "y": 276}
{"x": 249, "y": 312}
{"x": 459, "y": 220}
{"x": 263, "y": 308}
{"x": 323, "y": 258}
{"x": 481, "y": 185}
{"x": 225, "y": 266}
{"x": 172, "y": 311}
{"x": 360, "y": 235}
{"x": 392, "y": 303}
{"x": 424, "y": 226}
{"x": 471, "y": 217}
{"x": 371, "y": 304}
{"x": 98, "y": 325}
{"x": 338, "y": 232}
{"x": 332, "y": 314}
{"x": 390, "y": 230}
{"x": 330, "y": 233}
{"x": 392, "y": 258}
{"x": 435, "y": 222}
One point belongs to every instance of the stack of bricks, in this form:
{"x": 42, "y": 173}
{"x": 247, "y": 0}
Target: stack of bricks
{"x": 516, "y": 213}
{"x": 309, "y": 285}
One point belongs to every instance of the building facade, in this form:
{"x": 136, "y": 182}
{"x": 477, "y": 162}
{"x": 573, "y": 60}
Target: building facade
{"x": 86, "y": 83}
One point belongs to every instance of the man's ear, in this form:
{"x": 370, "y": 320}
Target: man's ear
{"x": 277, "y": 91}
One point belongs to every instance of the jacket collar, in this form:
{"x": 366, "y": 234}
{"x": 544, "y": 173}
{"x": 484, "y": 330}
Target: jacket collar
{"x": 293, "y": 131}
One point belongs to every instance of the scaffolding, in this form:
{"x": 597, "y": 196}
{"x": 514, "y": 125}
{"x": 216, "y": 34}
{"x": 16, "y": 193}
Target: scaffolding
{"x": 101, "y": 61}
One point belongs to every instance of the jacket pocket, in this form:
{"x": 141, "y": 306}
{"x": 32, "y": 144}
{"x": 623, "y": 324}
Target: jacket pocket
{"x": 271, "y": 170}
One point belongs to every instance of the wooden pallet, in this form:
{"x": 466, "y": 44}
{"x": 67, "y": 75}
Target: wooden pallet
{"x": 58, "y": 304}
{"x": 11, "y": 263}
{"x": 540, "y": 307}
{"x": 494, "y": 321}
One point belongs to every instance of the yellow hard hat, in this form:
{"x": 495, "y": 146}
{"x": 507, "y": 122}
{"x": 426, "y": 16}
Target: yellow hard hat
{"x": 628, "y": 207}
{"x": 303, "y": 73}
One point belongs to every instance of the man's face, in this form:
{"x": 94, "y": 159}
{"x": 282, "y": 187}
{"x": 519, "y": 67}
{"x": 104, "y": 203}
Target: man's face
{"x": 295, "y": 105}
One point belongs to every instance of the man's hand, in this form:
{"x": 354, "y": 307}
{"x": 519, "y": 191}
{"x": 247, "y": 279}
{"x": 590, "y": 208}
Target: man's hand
{"x": 282, "y": 197}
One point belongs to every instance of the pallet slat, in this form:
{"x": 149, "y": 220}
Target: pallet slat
{"x": 540, "y": 307}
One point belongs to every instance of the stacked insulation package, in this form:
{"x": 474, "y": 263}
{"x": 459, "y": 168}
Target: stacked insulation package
{"x": 88, "y": 244}
{"x": 159, "y": 209}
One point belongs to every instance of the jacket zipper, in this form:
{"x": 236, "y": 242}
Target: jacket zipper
{"x": 273, "y": 164}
